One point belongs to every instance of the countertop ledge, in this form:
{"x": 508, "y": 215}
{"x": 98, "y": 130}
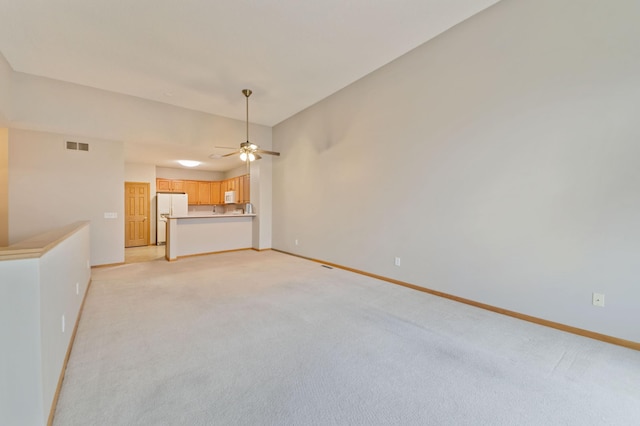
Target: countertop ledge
{"x": 38, "y": 245}
{"x": 208, "y": 215}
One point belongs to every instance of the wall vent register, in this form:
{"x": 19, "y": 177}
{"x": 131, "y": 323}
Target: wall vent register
{"x": 77, "y": 146}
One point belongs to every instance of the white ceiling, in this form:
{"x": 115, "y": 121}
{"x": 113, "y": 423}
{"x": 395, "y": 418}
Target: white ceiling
{"x": 200, "y": 54}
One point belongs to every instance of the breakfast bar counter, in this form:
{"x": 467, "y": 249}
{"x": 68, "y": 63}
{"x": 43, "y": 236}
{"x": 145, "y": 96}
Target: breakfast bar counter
{"x": 207, "y": 233}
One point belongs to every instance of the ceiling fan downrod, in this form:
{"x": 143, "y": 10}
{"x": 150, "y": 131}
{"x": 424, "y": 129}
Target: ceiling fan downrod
{"x": 246, "y": 150}
{"x": 247, "y": 93}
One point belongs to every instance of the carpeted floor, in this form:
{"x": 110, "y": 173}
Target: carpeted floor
{"x": 263, "y": 338}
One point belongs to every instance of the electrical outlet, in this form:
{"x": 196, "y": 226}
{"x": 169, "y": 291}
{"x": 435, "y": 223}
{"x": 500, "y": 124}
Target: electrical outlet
{"x": 598, "y": 299}
{"x": 396, "y": 261}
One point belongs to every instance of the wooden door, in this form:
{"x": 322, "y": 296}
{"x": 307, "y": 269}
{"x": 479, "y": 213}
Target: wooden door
{"x": 136, "y": 208}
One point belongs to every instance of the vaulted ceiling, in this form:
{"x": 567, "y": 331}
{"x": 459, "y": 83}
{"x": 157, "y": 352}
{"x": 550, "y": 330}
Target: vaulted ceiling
{"x": 199, "y": 54}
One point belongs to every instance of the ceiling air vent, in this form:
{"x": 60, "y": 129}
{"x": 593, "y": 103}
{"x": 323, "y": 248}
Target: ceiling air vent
{"x": 77, "y": 146}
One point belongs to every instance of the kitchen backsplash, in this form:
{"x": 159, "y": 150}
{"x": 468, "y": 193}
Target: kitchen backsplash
{"x": 220, "y": 209}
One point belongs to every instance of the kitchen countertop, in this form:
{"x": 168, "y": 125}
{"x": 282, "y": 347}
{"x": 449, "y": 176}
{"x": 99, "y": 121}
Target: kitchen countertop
{"x": 208, "y": 215}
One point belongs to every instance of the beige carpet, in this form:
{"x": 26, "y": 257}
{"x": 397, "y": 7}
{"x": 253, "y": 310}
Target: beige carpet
{"x": 250, "y": 338}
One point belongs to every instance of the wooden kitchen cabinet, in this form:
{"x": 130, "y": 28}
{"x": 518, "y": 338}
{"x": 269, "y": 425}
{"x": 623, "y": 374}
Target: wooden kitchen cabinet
{"x": 239, "y": 191}
{"x": 207, "y": 192}
{"x": 246, "y": 188}
{"x": 170, "y": 185}
{"x": 243, "y": 189}
{"x": 233, "y": 184}
{"x": 163, "y": 185}
{"x": 178, "y": 186}
{"x": 191, "y": 188}
{"x": 240, "y": 184}
{"x": 216, "y": 197}
{"x": 204, "y": 192}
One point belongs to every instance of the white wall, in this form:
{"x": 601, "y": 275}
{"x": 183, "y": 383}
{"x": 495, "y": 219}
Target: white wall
{"x": 21, "y": 345}
{"x": 238, "y": 171}
{"x": 61, "y": 269}
{"x": 499, "y": 161}
{"x": 34, "y": 295}
{"x": 50, "y": 186}
{"x": 261, "y": 198}
{"x": 188, "y": 174}
{"x": 134, "y": 172}
{"x": 56, "y": 106}
{"x": 6, "y": 74}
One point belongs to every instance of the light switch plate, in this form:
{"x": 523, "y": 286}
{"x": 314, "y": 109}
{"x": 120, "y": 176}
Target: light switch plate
{"x": 110, "y": 215}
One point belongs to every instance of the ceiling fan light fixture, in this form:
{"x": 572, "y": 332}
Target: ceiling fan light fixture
{"x": 247, "y": 154}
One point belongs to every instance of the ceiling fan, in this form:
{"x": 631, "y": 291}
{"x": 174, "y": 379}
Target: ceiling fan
{"x": 248, "y": 151}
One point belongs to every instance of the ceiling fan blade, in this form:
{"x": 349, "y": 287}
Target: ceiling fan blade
{"x": 262, "y": 151}
{"x": 257, "y": 156}
{"x": 230, "y": 154}
{"x": 224, "y": 147}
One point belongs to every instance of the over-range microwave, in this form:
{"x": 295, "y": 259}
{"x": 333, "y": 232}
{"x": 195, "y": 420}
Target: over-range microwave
{"x": 230, "y": 197}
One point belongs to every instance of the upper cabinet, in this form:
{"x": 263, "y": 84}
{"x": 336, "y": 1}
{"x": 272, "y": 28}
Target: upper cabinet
{"x": 207, "y": 192}
{"x": 169, "y": 185}
{"x": 240, "y": 191}
{"x": 216, "y": 195}
{"x": 233, "y": 184}
{"x": 243, "y": 189}
{"x": 178, "y": 186}
{"x": 246, "y": 185}
{"x": 191, "y": 188}
{"x": 163, "y": 185}
{"x": 204, "y": 193}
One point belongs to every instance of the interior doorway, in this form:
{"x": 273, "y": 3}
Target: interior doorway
{"x": 136, "y": 208}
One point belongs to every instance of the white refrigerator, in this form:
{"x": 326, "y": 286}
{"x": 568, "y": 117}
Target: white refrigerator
{"x": 168, "y": 204}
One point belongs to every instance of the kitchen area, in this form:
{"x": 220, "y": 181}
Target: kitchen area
{"x": 203, "y": 216}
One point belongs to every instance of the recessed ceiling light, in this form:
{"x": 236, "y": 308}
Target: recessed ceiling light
{"x": 189, "y": 163}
